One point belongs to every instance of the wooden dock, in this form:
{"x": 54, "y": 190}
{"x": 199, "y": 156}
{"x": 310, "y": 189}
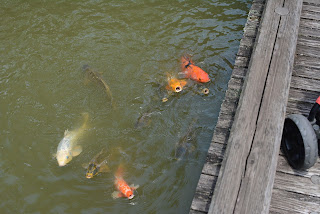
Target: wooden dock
{"x": 276, "y": 72}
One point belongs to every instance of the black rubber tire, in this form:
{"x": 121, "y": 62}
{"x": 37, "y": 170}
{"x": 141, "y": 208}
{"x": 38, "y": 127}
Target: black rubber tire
{"x": 299, "y": 142}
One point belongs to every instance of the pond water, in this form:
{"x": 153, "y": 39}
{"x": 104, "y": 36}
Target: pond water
{"x": 133, "y": 45}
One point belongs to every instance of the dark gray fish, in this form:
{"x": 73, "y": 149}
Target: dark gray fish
{"x": 144, "y": 120}
{"x": 93, "y": 75}
{"x": 184, "y": 145}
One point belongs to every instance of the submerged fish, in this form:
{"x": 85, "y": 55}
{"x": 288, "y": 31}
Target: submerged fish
{"x": 123, "y": 189}
{"x": 97, "y": 77}
{"x": 143, "y": 120}
{"x": 68, "y": 148}
{"x": 183, "y": 145}
{"x": 191, "y": 71}
{"x": 97, "y": 164}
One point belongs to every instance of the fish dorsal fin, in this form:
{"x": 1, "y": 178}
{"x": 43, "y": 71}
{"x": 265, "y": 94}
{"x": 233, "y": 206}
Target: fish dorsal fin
{"x": 134, "y": 187}
{"x": 104, "y": 168}
{"x": 116, "y": 194}
{"x": 85, "y": 165}
{"x": 76, "y": 151}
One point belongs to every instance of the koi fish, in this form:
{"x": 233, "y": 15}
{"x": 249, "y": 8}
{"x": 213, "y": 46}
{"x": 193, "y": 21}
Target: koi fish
{"x": 97, "y": 164}
{"x": 191, "y": 71}
{"x": 143, "y": 120}
{"x": 123, "y": 189}
{"x": 68, "y": 148}
{"x": 175, "y": 84}
{"x": 97, "y": 77}
{"x": 183, "y": 145}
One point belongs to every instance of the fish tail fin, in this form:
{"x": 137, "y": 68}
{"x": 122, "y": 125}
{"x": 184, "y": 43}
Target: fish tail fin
{"x": 85, "y": 116}
{"x": 109, "y": 94}
{"x": 120, "y": 171}
{"x": 185, "y": 61}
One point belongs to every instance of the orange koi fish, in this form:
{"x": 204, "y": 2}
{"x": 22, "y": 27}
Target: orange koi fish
{"x": 124, "y": 190}
{"x": 191, "y": 71}
{"x": 175, "y": 84}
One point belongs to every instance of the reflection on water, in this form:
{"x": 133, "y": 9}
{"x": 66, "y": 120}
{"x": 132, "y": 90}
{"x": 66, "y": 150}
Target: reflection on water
{"x": 133, "y": 45}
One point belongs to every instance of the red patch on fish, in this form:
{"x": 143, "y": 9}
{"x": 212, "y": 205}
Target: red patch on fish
{"x": 191, "y": 71}
{"x": 124, "y": 188}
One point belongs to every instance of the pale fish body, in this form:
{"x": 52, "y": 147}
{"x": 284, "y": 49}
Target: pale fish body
{"x": 68, "y": 146}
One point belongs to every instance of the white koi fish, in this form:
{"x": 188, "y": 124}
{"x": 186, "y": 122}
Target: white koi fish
{"x": 68, "y": 148}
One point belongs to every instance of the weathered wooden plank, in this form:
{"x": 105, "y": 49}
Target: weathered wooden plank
{"x": 298, "y": 95}
{"x": 311, "y": 8}
{"x": 239, "y": 72}
{"x": 228, "y": 105}
{"x": 259, "y": 1}
{"x": 284, "y": 167}
{"x": 220, "y": 135}
{"x": 262, "y": 160}
{"x": 310, "y": 62}
{"x": 204, "y": 191}
{"x": 310, "y": 23}
{"x": 298, "y": 108}
{"x": 256, "y": 9}
{"x": 246, "y": 46}
{"x": 298, "y": 184}
{"x": 305, "y": 50}
{"x": 309, "y": 41}
{"x": 306, "y": 84}
{"x": 284, "y": 202}
{"x": 303, "y": 71}
{"x": 244, "y": 51}
{"x": 214, "y": 159}
{"x": 196, "y": 212}
{"x": 247, "y": 41}
{"x": 313, "y": 2}
{"x": 251, "y": 27}
{"x": 235, "y": 84}
{"x": 308, "y": 32}
{"x": 241, "y": 62}
{"x": 310, "y": 15}
{"x": 225, "y": 120}
{"x": 246, "y": 116}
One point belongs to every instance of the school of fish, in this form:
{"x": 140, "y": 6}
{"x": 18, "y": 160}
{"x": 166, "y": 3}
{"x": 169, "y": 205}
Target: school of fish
{"x": 69, "y": 147}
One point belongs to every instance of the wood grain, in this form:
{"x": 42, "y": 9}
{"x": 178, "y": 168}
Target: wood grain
{"x": 262, "y": 160}
{"x": 285, "y": 202}
{"x": 243, "y": 128}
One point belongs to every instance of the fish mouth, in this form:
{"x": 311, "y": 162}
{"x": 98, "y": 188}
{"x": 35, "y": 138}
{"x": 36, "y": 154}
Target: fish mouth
{"x": 131, "y": 196}
{"x": 89, "y": 176}
{"x": 178, "y": 89}
{"x": 61, "y": 164}
{"x": 205, "y": 91}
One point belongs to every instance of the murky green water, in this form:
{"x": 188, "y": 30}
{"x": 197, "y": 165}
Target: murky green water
{"x": 43, "y": 92}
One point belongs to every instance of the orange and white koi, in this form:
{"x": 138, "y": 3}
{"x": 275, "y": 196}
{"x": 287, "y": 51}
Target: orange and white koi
{"x": 191, "y": 71}
{"x": 123, "y": 189}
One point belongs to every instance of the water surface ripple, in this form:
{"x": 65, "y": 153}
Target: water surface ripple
{"x": 133, "y": 44}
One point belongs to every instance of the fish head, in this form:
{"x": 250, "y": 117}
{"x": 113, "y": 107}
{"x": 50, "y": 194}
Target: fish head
{"x": 129, "y": 194}
{"x": 201, "y": 75}
{"x": 63, "y": 157}
{"x": 176, "y": 85}
{"x": 91, "y": 171}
